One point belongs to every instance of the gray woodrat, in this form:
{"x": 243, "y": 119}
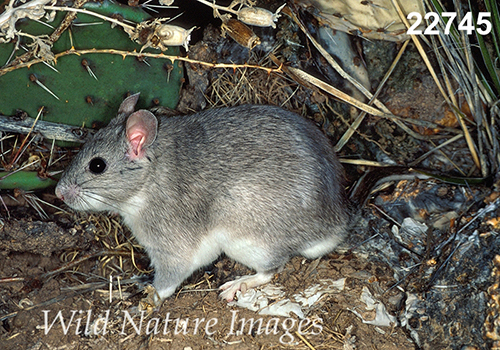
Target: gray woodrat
{"x": 257, "y": 183}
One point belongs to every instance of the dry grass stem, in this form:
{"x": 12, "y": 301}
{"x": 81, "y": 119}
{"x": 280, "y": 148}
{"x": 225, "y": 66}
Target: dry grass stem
{"x": 436, "y": 148}
{"x": 357, "y": 122}
{"x": 333, "y": 63}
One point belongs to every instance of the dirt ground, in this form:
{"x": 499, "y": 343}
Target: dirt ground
{"x": 78, "y": 298}
{"x": 77, "y": 281}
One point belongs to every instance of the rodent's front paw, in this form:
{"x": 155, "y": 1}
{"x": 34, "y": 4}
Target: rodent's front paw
{"x": 150, "y": 301}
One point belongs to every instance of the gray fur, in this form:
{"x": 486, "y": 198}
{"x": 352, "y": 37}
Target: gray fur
{"x": 257, "y": 182}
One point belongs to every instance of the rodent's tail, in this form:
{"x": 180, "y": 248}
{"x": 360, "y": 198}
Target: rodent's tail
{"x": 361, "y": 190}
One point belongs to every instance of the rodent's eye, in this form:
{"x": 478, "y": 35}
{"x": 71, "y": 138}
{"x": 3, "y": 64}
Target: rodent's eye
{"x": 97, "y": 165}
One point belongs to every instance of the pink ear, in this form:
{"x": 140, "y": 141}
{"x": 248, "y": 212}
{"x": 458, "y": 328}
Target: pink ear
{"x": 141, "y": 132}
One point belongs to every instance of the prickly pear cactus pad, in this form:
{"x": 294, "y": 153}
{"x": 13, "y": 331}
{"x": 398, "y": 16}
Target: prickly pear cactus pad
{"x": 82, "y": 88}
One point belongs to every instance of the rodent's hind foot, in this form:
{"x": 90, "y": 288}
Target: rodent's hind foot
{"x": 243, "y": 283}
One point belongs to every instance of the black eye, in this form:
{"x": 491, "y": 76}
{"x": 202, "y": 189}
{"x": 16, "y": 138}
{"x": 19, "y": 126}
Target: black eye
{"x": 97, "y": 165}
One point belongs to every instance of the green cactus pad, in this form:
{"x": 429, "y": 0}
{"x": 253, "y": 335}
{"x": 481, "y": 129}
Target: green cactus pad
{"x": 26, "y": 180}
{"x": 83, "y": 100}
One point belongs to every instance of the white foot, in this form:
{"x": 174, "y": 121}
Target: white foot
{"x": 243, "y": 283}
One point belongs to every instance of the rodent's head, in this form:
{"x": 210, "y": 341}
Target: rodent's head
{"x": 111, "y": 167}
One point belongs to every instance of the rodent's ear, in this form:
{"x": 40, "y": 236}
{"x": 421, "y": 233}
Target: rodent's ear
{"x": 127, "y": 107}
{"x": 141, "y": 132}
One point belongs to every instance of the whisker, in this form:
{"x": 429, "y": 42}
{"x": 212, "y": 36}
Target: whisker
{"x": 108, "y": 202}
